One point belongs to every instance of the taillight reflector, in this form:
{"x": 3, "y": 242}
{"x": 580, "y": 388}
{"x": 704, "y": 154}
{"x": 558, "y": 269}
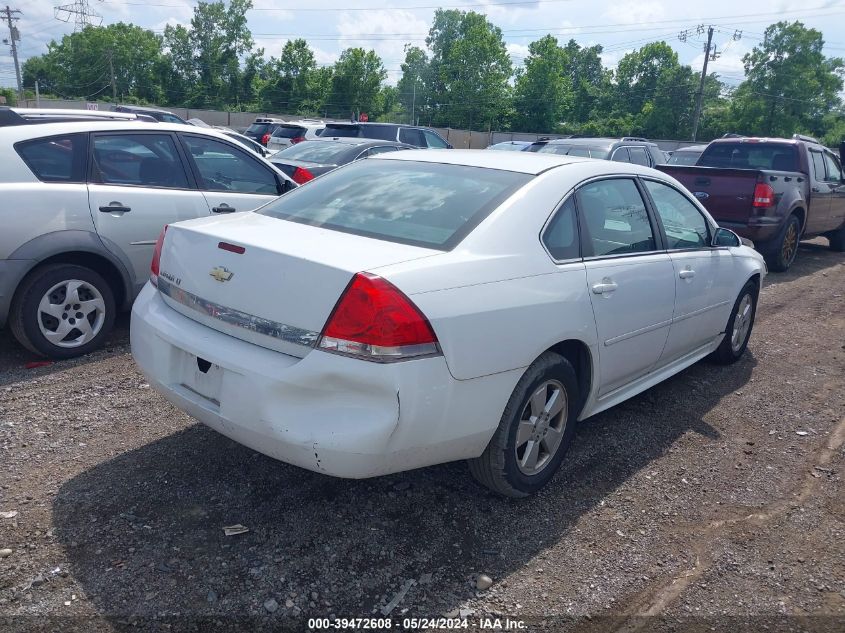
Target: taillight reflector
{"x": 301, "y": 175}
{"x": 764, "y": 195}
{"x": 155, "y": 264}
{"x": 297, "y": 139}
{"x": 376, "y": 321}
{"x": 265, "y": 139}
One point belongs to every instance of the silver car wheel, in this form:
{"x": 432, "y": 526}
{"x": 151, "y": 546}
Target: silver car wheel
{"x": 541, "y": 427}
{"x": 742, "y": 323}
{"x": 71, "y": 313}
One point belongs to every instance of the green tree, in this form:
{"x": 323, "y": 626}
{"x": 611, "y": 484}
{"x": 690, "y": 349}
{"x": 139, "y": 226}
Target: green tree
{"x": 590, "y": 83}
{"x": 291, "y": 82}
{"x": 206, "y": 59}
{"x": 543, "y": 89}
{"x": 790, "y": 85}
{"x": 469, "y": 71}
{"x": 356, "y": 84}
{"x": 412, "y": 88}
{"x": 80, "y": 65}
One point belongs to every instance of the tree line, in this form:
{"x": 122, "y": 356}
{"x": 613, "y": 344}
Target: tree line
{"x": 464, "y": 78}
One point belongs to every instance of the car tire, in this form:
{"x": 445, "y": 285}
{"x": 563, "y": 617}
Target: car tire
{"x": 785, "y": 248}
{"x": 837, "y": 239}
{"x": 740, "y": 324}
{"x": 505, "y": 466}
{"x": 42, "y": 311}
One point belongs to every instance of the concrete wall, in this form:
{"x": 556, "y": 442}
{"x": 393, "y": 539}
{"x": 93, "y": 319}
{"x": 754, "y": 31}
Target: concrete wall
{"x": 460, "y": 139}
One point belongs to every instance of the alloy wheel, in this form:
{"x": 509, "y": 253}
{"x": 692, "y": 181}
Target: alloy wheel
{"x": 541, "y": 427}
{"x": 742, "y": 323}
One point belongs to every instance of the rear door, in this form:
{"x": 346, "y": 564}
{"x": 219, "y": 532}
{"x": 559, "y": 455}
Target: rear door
{"x": 821, "y": 194}
{"x": 231, "y": 179}
{"x": 704, "y": 276}
{"x": 412, "y": 136}
{"x": 137, "y": 183}
{"x": 631, "y": 280}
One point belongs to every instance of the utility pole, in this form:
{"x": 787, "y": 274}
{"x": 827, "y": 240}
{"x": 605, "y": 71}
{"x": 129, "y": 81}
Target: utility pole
{"x": 414, "y": 103}
{"x": 37, "y": 95}
{"x": 111, "y": 70}
{"x": 14, "y": 37}
{"x": 698, "y": 98}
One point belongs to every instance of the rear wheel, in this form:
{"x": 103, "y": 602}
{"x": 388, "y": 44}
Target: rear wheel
{"x": 62, "y": 311}
{"x": 739, "y": 327}
{"x": 535, "y": 430}
{"x": 783, "y": 251}
{"x": 837, "y": 239}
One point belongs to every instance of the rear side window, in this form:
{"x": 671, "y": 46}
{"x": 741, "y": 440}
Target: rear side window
{"x": 561, "y": 236}
{"x": 57, "y": 158}
{"x": 683, "y": 158}
{"x": 774, "y": 156}
{"x": 169, "y": 118}
{"x": 289, "y": 131}
{"x": 423, "y": 204}
{"x": 639, "y": 156}
{"x": 258, "y": 128}
{"x": 146, "y": 160}
{"x": 614, "y": 220}
{"x": 412, "y": 136}
{"x": 342, "y": 131}
{"x": 436, "y": 142}
{"x": 381, "y": 132}
{"x": 621, "y": 155}
{"x": 818, "y": 165}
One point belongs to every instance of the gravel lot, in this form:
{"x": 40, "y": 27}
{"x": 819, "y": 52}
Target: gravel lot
{"x": 714, "y": 501}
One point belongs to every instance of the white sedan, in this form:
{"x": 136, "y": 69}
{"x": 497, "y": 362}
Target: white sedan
{"x": 429, "y": 306}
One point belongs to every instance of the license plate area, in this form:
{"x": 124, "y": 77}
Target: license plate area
{"x": 202, "y": 377}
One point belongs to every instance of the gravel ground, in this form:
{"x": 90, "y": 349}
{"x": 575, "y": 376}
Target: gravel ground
{"x": 713, "y": 501}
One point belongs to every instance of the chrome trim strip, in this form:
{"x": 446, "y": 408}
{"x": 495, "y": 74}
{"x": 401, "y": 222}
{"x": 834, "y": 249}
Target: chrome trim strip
{"x": 230, "y": 316}
{"x": 694, "y": 313}
{"x": 143, "y": 243}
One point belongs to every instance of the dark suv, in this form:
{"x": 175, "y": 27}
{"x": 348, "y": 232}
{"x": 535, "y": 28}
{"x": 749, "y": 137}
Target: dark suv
{"x": 408, "y": 134}
{"x": 628, "y": 149}
{"x": 164, "y": 116}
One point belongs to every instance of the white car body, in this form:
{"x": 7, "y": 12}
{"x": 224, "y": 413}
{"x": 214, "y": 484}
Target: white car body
{"x": 305, "y": 130}
{"x": 496, "y": 301}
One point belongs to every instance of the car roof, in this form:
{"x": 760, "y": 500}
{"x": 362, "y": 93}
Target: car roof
{"x": 691, "y": 148}
{"x": 23, "y": 132}
{"x": 143, "y": 108}
{"x": 522, "y": 162}
{"x": 598, "y": 141}
{"x": 352, "y": 140}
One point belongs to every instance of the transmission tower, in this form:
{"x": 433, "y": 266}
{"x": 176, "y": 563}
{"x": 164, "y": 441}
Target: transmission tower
{"x": 80, "y": 12}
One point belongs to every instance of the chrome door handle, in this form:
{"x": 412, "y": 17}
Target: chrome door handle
{"x": 223, "y": 208}
{"x": 687, "y": 273}
{"x": 606, "y": 285}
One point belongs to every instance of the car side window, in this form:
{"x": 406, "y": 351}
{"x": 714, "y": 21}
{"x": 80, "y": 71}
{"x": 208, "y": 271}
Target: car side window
{"x": 56, "y": 158}
{"x": 683, "y": 223}
{"x": 614, "y": 220}
{"x": 834, "y": 169}
{"x": 381, "y": 149}
{"x": 620, "y": 155}
{"x": 434, "y": 140}
{"x": 561, "y": 234}
{"x": 639, "y": 156}
{"x": 141, "y": 160}
{"x": 412, "y": 136}
{"x": 226, "y": 168}
{"x": 818, "y": 166}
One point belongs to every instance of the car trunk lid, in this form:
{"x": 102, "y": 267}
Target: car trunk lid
{"x": 265, "y": 280}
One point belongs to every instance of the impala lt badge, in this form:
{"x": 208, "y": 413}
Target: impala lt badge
{"x": 701, "y": 195}
{"x": 221, "y": 273}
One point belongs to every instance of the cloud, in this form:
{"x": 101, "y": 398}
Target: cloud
{"x": 634, "y": 11}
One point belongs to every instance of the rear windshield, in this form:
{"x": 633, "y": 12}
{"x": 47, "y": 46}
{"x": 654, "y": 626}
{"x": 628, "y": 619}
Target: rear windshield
{"x": 574, "y": 150}
{"x": 288, "y": 131}
{"x": 344, "y": 131}
{"x": 258, "y": 128}
{"x": 775, "y": 156}
{"x": 315, "y": 151}
{"x": 683, "y": 158}
{"x": 409, "y": 202}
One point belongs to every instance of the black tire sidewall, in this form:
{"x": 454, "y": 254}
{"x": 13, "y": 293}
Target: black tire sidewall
{"x": 776, "y": 256}
{"x": 561, "y": 370}
{"x": 37, "y": 285}
{"x": 747, "y": 289}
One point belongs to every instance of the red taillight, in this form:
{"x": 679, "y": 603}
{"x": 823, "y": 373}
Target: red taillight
{"x": 764, "y": 195}
{"x": 156, "y": 263}
{"x": 265, "y": 139}
{"x": 297, "y": 139}
{"x": 300, "y": 176}
{"x": 374, "y": 320}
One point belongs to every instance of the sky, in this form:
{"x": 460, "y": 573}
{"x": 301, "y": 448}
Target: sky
{"x": 388, "y": 25}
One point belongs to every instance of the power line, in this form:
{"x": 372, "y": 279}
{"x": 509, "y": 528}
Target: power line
{"x": 80, "y": 12}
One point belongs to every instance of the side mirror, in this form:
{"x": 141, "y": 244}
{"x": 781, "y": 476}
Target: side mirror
{"x": 285, "y": 185}
{"x": 726, "y": 237}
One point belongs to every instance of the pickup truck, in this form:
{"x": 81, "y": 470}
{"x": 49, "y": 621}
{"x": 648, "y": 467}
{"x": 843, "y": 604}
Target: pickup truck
{"x": 773, "y": 191}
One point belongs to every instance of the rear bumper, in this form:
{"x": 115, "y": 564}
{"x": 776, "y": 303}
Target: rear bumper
{"x": 759, "y": 231}
{"x": 327, "y": 413}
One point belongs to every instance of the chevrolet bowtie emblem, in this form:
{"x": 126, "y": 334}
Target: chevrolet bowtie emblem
{"x": 221, "y": 273}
